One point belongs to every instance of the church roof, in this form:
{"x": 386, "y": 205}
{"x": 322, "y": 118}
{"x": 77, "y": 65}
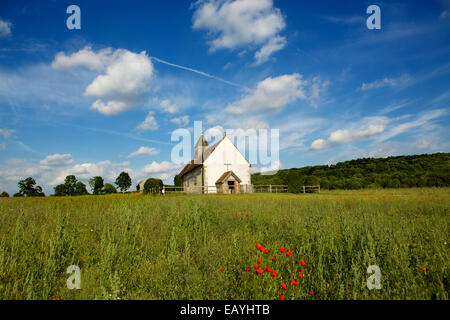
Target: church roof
{"x": 226, "y": 175}
{"x": 191, "y": 165}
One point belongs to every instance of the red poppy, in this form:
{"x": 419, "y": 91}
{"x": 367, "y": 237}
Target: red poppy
{"x": 288, "y": 253}
{"x": 255, "y": 266}
{"x": 261, "y": 248}
{"x": 257, "y": 246}
{"x": 259, "y": 260}
{"x": 300, "y": 275}
{"x": 281, "y": 297}
{"x": 260, "y": 271}
{"x": 423, "y": 268}
{"x": 294, "y": 282}
{"x": 311, "y": 292}
{"x": 248, "y": 269}
{"x": 302, "y": 262}
{"x": 267, "y": 251}
{"x": 282, "y": 250}
{"x": 245, "y": 210}
{"x": 269, "y": 269}
{"x": 299, "y": 271}
{"x": 274, "y": 274}
{"x": 283, "y": 286}
{"x": 221, "y": 268}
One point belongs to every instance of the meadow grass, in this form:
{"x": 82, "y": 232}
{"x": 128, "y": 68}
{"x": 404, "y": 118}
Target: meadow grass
{"x": 171, "y": 247}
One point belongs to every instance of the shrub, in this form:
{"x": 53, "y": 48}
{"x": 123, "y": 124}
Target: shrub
{"x": 153, "y": 186}
{"x": 109, "y": 188}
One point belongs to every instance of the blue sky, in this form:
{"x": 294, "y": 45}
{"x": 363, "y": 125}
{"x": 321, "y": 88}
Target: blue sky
{"x": 107, "y": 98}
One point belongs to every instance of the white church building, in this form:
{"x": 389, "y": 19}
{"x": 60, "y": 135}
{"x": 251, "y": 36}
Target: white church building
{"x": 220, "y": 168}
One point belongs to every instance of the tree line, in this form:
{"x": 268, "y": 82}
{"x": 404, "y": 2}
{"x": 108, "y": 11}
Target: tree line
{"x": 73, "y": 187}
{"x": 427, "y": 170}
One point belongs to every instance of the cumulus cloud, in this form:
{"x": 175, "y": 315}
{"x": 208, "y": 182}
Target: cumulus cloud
{"x": 162, "y": 170}
{"x": 5, "y": 28}
{"x": 343, "y": 136}
{"x": 53, "y": 170}
{"x": 158, "y": 167}
{"x": 84, "y": 171}
{"x": 238, "y": 23}
{"x": 271, "y": 95}
{"x": 85, "y": 57}
{"x": 57, "y": 160}
{"x": 144, "y": 151}
{"x": 124, "y": 80}
{"x": 183, "y": 120}
{"x": 149, "y": 124}
{"x": 169, "y": 107}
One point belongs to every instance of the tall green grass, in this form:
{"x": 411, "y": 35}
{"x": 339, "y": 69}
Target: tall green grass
{"x": 171, "y": 247}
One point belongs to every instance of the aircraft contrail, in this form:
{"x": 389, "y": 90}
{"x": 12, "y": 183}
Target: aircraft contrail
{"x": 199, "y": 72}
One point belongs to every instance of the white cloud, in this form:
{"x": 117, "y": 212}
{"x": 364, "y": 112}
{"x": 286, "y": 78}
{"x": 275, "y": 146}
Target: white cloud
{"x": 106, "y": 169}
{"x": 149, "y": 124}
{"x": 144, "y": 151}
{"x": 238, "y": 23}
{"x": 87, "y": 58}
{"x": 385, "y": 82}
{"x": 160, "y": 167}
{"x": 57, "y": 160}
{"x": 183, "y": 120}
{"x": 275, "y": 44}
{"x": 48, "y": 176}
{"x": 161, "y": 170}
{"x": 167, "y": 106}
{"x": 423, "y": 121}
{"x": 5, "y": 28}
{"x": 271, "y": 95}
{"x": 373, "y": 127}
{"x": 445, "y": 14}
{"x": 269, "y": 170}
{"x": 125, "y": 78}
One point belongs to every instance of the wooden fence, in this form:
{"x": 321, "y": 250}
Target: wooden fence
{"x": 250, "y": 188}
{"x": 212, "y": 189}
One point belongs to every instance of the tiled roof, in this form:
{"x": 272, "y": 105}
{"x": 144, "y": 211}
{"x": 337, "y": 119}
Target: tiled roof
{"x": 191, "y": 165}
{"x": 226, "y": 175}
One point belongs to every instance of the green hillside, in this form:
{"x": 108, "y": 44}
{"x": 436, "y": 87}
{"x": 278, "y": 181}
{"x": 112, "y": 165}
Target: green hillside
{"x": 427, "y": 170}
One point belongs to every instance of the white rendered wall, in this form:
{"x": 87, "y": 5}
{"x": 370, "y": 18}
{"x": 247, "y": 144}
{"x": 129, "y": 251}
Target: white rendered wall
{"x": 226, "y": 152}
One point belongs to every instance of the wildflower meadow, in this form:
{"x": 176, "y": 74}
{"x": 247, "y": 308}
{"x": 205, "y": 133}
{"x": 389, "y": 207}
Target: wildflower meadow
{"x": 249, "y": 246}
